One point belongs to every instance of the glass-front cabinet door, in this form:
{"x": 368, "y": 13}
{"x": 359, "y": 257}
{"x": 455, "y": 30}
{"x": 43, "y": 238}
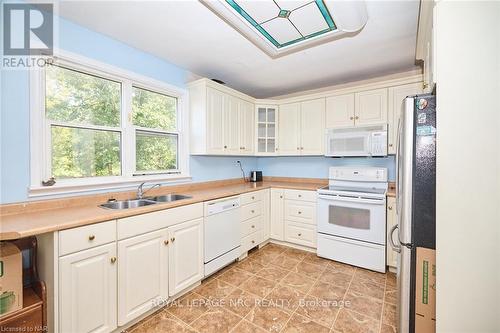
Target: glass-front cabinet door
{"x": 267, "y": 120}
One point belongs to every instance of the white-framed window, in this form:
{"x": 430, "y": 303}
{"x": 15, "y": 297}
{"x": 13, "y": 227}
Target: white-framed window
{"x": 97, "y": 127}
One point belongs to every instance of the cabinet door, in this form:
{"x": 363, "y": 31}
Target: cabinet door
{"x": 247, "y": 123}
{"x": 87, "y": 285}
{"x": 312, "y": 127}
{"x": 266, "y": 205}
{"x": 371, "y": 107}
{"x": 231, "y": 125}
{"x": 340, "y": 111}
{"x": 215, "y": 121}
{"x": 289, "y": 125}
{"x": 392, "y": 256}
{"x": 185, "y": 255}
{"x": 397, "y": 96}
{"x": 277, "y": 209}
{"x": 142, "y": 274}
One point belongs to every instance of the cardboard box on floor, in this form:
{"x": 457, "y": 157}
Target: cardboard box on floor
{"x": 11, "y": 278}
{"x": 425, "y": 291}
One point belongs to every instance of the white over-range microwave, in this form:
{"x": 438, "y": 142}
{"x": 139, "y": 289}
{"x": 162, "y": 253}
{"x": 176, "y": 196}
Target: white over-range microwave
{"x": 357, "y": 141}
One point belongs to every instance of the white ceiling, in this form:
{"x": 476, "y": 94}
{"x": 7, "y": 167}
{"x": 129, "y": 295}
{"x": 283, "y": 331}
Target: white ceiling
{"x": 189, "y": 35}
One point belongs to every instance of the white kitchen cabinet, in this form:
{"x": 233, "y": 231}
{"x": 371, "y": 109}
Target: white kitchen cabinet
{"x": 87, "y": 290}
{"x": 247, "y": 125}
{"x": 231, "y": 127}
{"x": 340, "y": 111}
{"x": 392, "y": 220}
{"x": 215, "y": 121}
{"x": 371, "y": 107}
{"x": 142, "y": 274}
{"x": 221, "y": 120}
{"x": 267, "y": 129}
{"x": 289, "y": 124}
{"x": 312, "y": 127}
{"x": 396, "y": 105}
{"x": 185, "y": 255}
{"x": 277, "y": 214}
{"x": 302, "y": 128}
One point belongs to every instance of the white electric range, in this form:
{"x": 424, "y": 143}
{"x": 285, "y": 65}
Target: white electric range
{"x": 352, "y": 217}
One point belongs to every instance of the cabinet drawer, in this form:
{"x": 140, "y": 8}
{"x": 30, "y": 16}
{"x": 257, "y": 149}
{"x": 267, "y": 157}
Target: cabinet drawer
{"x": 300, "y": 195}
{"x": 250, "y": 197}
{"x": 141, "y": 224}
{"x": 251, "y": 241}
{"x": 299, "y": 233}
{"x": 251, "y": 210}
{"x": 251, "y": 225}
{"x": 300, "y": 211}
{"x": 86, "y": 237}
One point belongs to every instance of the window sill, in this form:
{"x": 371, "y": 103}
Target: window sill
{"x": 108, "y": 184}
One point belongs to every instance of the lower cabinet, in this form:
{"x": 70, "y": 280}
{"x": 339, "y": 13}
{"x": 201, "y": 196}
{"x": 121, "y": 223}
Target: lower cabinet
{"x": 142, "y": 274}
{"x": 392, "y": 220}
{"x": 185, "y": 255}
{"x": 87, "y": 290}
{"x": 277, "y": 225}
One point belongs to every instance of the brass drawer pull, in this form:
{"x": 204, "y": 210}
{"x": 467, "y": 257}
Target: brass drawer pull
{"x": 253, "y": 211}
{"x": 172, "y": 239}
{"x": 389, "y": 207}
{"x": 165, "y": 242}
{"x": 253, "y": 198}
{"x": 113, "y": 260}
{"x": 91, "y": 237}
{"x": 253, "y": 242}
{"x": 299, "y": 234}
{"x": 253, "y": 226}
{"x": 300, "y": 212}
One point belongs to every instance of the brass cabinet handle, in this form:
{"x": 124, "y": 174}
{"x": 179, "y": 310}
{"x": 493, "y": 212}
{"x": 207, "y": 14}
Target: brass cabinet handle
{"x": 390, "y": 144}
{"x": 301, "y": 148}
{"x": 300, "y": 234}
{"x": 298, "y": 148}
{"x": 300, "y": 212}
{"x": 172, "y": 239}
{"x": 113, "y": 260}
{"x": 165, "y": 242}
{"x": 253, "y": 211}
{"x": 389, "y": 207}
{"x": 357, "y": 117}
{"x": 91, "y": 237}
{"x": 253, "y": 226}
{"x": 225, "y": 147}
{"x": 253, "y": 198}
{"x": 300, "y": 195}
{"x": 281, "y": 197}
{"x": 253, "y": 242}
{"x": 425, "y": 85}
{"x": 352, "y": 118}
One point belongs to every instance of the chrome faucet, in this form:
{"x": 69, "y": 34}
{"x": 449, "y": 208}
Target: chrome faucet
{"x": 141, "y": 192}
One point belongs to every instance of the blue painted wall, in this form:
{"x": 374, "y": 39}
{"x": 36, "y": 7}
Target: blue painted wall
{"x": 317, "y": 167}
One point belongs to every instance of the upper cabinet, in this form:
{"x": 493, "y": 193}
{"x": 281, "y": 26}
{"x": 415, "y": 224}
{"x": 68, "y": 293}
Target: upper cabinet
{"x": 425, "y": 49}
{"x": 267, "y": 129}
{"x": 340, "y": 111}
{"x": 397, "y": 96}
{"x": 221, "y": 121}
{"x": 371, "y": 107}
{"x": 357, "y": 109}
{"x": 302, "y": 128}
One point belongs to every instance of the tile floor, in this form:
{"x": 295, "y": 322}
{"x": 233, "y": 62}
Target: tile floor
{"x": 281, "y": 289}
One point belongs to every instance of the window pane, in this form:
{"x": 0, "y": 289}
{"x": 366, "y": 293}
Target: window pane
{"x": 155, "y": 152}
{"x": 76, "y": 97}
{"x": 153, "y": 110}
{"x": 78, "y": 152}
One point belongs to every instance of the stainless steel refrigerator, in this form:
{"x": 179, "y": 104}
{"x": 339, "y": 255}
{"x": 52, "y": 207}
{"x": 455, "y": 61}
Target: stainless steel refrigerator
{"x": 415, "y": 197}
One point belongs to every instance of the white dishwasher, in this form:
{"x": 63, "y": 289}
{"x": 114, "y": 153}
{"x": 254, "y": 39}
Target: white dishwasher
{"x": 222, "y": 233}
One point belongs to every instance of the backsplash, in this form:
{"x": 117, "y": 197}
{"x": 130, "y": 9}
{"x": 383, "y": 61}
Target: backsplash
{"x": 317, "y": 167}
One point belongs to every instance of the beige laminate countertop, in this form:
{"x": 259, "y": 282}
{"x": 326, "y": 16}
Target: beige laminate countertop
{"x": 18, "y": 221}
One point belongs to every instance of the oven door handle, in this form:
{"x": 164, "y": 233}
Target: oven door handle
{"x": 395, "y": 247}
{"x": 349, "y": 199}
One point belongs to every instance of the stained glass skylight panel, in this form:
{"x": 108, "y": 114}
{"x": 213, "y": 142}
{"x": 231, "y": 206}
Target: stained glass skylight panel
{"x": 283, "y": 26}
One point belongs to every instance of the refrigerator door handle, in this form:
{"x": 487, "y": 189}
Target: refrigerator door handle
{"x": 398, "y": 161}
{"x": 395, "y": 247}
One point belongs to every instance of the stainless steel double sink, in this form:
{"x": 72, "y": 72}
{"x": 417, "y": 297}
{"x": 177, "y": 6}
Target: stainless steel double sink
{"x": 134, "y": 203}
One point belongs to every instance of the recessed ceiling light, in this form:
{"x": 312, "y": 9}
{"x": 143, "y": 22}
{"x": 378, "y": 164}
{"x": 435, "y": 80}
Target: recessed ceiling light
{"x": 280, "y": 27}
